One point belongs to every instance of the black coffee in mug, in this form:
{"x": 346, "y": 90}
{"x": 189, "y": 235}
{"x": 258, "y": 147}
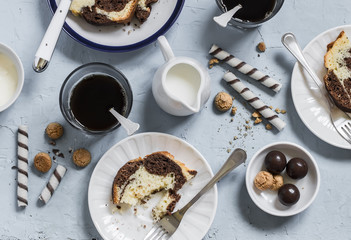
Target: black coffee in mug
{"x": 92, "y": 98}
{"x": 252, "y": 10}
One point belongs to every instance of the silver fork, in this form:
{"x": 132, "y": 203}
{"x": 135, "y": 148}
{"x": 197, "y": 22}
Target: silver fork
{"x": 340, "y": 119}
{"x": 169, "y": 224}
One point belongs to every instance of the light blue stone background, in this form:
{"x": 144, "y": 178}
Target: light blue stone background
{"x": 22, "y": 25}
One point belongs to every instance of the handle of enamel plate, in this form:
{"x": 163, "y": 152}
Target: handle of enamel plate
{"x": 48, "y": 43}
{"x": 165, "y": 48}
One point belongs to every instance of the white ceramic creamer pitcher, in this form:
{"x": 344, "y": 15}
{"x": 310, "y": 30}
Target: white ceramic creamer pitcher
{"x": 181, "y": 86}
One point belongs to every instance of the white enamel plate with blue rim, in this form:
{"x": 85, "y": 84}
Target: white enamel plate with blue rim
{"x": 310, "y": 104}
{"x": 122, "y": 38}
{"x": 134, "y": 223}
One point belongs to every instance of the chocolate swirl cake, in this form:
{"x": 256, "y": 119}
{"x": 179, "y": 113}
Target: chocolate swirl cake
{"x": 109, "y": 12}
{"x": 338, "y": 78}
{"x": 141, "y": 177}
{"x": 143, "y": 9}
{"x": 104, "y": 12}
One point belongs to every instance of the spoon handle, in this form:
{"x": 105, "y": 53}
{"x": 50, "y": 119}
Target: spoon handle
{"x": 127, "y": 124}
{"x": 290, "y": 42}
{"x": 48, "y": 43}
{"x": 237, "y": 157}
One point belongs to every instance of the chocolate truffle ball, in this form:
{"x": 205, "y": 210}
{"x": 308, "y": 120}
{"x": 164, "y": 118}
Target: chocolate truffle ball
{"x": 297, "y": 168}
{"x": 288, "y": 194}
{"x": 275, "y": 162}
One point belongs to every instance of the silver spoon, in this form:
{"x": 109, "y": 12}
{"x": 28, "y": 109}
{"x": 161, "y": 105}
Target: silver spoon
{"x": 223, "y": 19}
{"x": 128, "y": 125}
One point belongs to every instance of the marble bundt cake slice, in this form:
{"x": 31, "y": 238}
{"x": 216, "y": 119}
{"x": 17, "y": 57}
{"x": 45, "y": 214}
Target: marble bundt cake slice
{"x": 139, "y": 178}
{"x": 338, "y": 78}
{"x": 104, "y": 12}
{"x": 143, "y": 9}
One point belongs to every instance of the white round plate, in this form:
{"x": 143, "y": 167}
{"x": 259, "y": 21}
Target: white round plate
{"x": 268, "y": 200}
{"x": 123, "y": 37}
{"x": 310, "y": 104}
{"x": 135, "y": 223}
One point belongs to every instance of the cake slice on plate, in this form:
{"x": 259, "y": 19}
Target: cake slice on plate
{"x": 108, "y": 12}
{"x": 338, "y": 78}
{"x": 141, "y": 177}
{"x": 143, "y": 9}
{"x": 104, "y": 12}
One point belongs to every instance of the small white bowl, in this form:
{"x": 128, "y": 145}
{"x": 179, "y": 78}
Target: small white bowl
{"x": 20, "y": 74}
{"x": 268, "y": 200}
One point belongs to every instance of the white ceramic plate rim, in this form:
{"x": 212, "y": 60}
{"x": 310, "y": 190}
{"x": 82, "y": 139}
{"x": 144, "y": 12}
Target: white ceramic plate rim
{"x": 333, "y": 138}
{"x": 204, "y": 162}
{"x": 249, "y": 183}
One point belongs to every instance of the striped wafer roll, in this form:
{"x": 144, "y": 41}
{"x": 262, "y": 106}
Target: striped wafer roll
{"x": 53, "y": 183}
{"x": 245, "y": 68}
{"x": 22, "y": 166}
{"x": 254, "y": 101}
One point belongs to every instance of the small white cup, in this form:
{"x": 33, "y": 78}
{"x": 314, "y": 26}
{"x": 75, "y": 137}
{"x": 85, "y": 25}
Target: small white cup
{"x": 20, "y": 74}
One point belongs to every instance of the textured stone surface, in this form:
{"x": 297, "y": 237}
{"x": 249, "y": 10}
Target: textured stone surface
{"x": 66, "y": 216}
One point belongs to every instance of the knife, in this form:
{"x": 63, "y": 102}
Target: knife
{"x": 47, "y": 45}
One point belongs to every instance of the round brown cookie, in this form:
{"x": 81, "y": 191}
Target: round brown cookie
{"x": 54, "y": 130}
{"x": 42, "y": 162}
{"x": 278, "y": 181}
{"x": 223, "y": 101}
{"x": 81, "y": 157}
{"x": 264, "y": 180}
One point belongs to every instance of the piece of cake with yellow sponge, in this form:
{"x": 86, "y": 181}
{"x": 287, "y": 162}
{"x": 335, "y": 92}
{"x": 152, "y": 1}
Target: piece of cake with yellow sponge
{"x": 141, "y": 177}
{"x": 338, "y": 78}
{"x": 109, "y": 12}
{"x": 104, "y": 12}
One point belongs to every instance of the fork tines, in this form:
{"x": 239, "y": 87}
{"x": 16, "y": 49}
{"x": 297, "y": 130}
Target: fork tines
{"x": 347, "y": 130}
{"x": 157, "y": 232}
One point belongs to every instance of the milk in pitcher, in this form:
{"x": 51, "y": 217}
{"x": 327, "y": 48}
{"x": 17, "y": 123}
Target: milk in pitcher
{"x": 183, "y": 81}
